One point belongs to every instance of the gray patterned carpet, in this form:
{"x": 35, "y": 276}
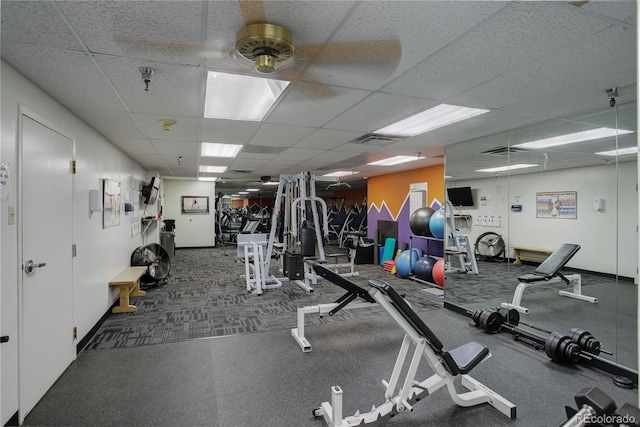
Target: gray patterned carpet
{"x": 206, "y": 297}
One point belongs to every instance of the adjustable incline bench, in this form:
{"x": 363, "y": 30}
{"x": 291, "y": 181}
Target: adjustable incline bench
{"x": 447, "y": 366}
{"x": 353, "y": 291}
{"x": 549, "y": 272}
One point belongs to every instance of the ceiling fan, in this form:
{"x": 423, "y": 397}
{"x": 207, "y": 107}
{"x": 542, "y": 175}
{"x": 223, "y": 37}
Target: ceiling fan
{"x": 270, "y": 47}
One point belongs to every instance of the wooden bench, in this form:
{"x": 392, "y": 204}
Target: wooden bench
{"x": 128, "y": 281}
{"x": 531, "y": 254}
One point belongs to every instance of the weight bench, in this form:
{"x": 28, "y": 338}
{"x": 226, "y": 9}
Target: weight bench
{"x": 549, "y": 272}
{"x": 447, "y": 366}
{"x": 353, "y": 291}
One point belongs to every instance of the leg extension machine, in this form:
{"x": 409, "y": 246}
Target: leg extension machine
{"x": 447, "y": 366}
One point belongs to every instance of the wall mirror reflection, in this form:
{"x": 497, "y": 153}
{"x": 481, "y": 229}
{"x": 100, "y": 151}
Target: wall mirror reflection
{"x": 571, "y": 181}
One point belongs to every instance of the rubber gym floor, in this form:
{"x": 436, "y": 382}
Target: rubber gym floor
{"x": 256, "y": 375}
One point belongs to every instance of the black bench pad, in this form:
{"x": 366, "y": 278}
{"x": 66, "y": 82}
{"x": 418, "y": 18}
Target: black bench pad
{"x": 467, "y": 356}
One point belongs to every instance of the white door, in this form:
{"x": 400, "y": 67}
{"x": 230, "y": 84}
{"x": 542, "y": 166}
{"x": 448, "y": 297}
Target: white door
{"x": 47, "y": 345}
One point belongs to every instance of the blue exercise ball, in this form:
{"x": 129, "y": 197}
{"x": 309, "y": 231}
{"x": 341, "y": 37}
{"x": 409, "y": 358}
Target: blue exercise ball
{"x": 418, "y": 252}
{"x": 436, "y": 224}
{"x": 419, "y": 221}
{"x": 404, "y": 263}
{"x": 424, "y": 269}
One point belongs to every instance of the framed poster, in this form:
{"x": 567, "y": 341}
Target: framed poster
{"x": 557, "y": 204}
{"x": 110, "y": 203}
{"x": 195, "y": 204}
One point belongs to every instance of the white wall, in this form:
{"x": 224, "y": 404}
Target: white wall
{"x": 608, "y": 239}
{"x": 192, "y": 230}
{"x": 101, "y": 253}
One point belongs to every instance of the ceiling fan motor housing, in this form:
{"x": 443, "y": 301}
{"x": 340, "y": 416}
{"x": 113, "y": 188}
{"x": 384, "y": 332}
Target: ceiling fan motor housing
{"x": 266, "y": 44}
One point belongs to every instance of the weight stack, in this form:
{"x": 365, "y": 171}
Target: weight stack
{"x": 293, "y": 266}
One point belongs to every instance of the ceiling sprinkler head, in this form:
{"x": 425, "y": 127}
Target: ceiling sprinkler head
{"x": 146, "y": 73}
{"x": 611, "y": 94}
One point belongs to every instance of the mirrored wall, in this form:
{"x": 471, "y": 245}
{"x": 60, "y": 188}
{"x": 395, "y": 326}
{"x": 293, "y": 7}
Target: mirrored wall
{"x": 569, "y": 181}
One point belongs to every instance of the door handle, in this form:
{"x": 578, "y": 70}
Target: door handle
{"x": 4, "y": 338}
{"x": 29, "y": 266}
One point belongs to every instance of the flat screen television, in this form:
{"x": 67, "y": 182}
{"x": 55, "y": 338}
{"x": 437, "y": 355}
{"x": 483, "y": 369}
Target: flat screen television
{"x": 460, "y": 196}
{"x": 150, "y": 192}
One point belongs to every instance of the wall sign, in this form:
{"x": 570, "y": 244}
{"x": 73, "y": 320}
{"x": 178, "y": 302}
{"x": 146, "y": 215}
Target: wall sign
{"x": 557, "y": 204}
{"x": 110, "y": 203}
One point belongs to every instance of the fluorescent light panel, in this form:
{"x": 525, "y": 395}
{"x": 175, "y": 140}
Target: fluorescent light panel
{"x": 238, "y": 97}
{"x": 252, "y": 189}
{"x": 392, "y": 161}
{"x": 507, "y": 168}
{"x": 212, "y": 169}
{"x": 271, "y": 183}
{"x": 207, "y": 178}
{"x": 339, "y": 174}
{"x": 571, "y": 138}
{"x": 214, "y": 149}
{"x": 619, "y": 152}
{"x": 243, "y": 192}
{"x": 428, "y": 120}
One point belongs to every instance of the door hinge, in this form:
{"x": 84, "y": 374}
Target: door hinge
{"x": 73, "y": 167}
{"x": 75, "y": 332}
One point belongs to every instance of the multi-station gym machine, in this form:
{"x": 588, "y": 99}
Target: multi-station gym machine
{"x": 299, "y": 226}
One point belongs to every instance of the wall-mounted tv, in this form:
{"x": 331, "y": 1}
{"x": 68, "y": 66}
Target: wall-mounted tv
{"x": 150, "y": 192}
{"x": 460, "y": 196}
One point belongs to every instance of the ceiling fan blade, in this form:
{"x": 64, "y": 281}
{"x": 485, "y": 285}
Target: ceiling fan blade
{"x": 174, "y": 47}
{"x": 253, "y": 11}
{"x": 313, "y": 87}
{"x": 366, "y": 50}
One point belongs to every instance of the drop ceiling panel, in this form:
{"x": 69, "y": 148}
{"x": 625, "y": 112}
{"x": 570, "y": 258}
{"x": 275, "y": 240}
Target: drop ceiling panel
{"x": 135, "y": 146}
{"x": 382, "y": 21}
{"x": 248, "y": 164}
{"x": 327, "y": 139}
{"x": 111, "y": 124}
{"x": 129, "y": 28}
{"x": 36, "y": 23}
{"x": 305, "y": 105}
{"x": 178, "y": 148}
{"x": 299, "y": 154}
{"x": 229, "y": 131}
{"x": 174, "y": 89}
{"x": 333, "y": 156}
{"x": 69, "y": 76}
{"x": 378, "y": 110}
{"x": 279, "y": 135}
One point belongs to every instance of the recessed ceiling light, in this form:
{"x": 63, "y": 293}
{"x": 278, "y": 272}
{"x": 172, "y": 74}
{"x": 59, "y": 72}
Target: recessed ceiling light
{"x": 619, "y": 151}
{"x": 207, "y": 178}
{"x": 212, "y": 169}
{"x": 238, "y": 97}
{"x": 428, "y": 120}
{"x": 391, "y": 161}
{"x": 507, "y": 168}
{"x": 214, "y": 149}
{"x": 570, "y": 138}
{"x": 243, "y": 192}
{"x": 340, "y": 173}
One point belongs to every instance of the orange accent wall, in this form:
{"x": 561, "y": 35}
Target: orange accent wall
{"x": 393, "y": 188}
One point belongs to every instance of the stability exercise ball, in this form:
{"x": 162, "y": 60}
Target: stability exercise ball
{"x": 438, "y": 272}
{"x": 436, "y": 224}
{"x": 419, "y": 221}
{"x": 403, "y": 264}
{"x": 424, "y": 269}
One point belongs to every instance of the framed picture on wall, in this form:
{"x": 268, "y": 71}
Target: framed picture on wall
{"x": 557, "y": 204}
{"x": 195, "y": 204}
{"x": 110, "y": 203}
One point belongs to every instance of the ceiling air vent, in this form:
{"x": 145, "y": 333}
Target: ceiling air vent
{"x": 372, "y": 138}
{"x": 503, "y": 151}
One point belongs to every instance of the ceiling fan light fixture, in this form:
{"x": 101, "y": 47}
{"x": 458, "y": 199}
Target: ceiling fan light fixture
{"x": 266, "y": 44}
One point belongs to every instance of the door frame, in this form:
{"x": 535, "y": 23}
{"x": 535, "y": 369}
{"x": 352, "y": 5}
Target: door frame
{"x": 25, "y": 111}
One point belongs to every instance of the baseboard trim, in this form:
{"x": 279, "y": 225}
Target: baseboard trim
{"x": 84, "y": 341}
